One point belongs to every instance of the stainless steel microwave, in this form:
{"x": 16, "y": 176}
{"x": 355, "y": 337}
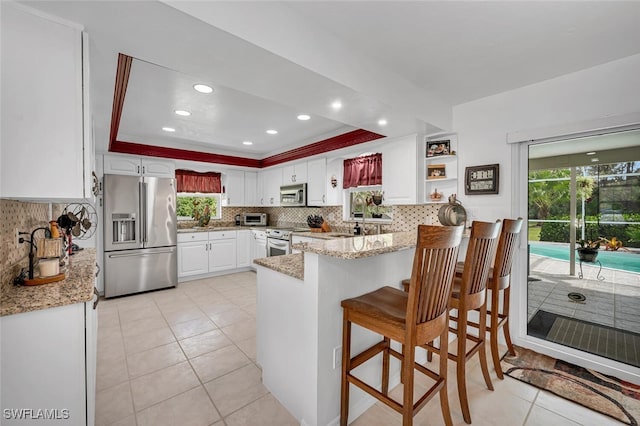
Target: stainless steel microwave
{"x": 293, "y": 195}
{"x": 254, "y": 219}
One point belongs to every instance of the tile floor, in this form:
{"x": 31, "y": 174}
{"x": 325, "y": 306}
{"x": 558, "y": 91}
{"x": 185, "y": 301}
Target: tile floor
{"x": 186, "y": 356}
{"x": 612, "y": 302}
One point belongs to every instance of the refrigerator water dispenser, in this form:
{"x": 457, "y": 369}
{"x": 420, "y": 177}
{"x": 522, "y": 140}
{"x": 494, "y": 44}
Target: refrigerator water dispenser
{"x": 124, "y": 227}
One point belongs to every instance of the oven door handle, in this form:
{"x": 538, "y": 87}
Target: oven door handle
{"x": 279, "y": 243}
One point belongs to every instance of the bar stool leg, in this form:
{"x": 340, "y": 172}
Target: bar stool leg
{"x": 385, "y": 366}
{"x": 495, "y": 318}
{"x": 461, "y": 374}
{"x": 407, "y": 394}
{"x": 444, "y": 360}
{"x": 505, "y": 327}
{"x": 346, "y": 367}
{"x": 482, "y": 333}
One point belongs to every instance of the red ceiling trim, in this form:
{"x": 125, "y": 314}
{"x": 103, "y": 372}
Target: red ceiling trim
{"x": 354, "y": 137}
{"x": 351, "y": 138}
{"x": 182, "y": 154}
{"x": 122, "y": 80}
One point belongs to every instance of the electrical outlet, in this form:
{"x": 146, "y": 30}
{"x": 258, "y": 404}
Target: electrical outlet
{"x": 337, "y": 357}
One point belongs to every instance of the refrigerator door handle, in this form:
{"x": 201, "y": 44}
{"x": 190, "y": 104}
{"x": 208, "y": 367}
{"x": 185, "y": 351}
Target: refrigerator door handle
{"x": 138, "y": 254}
{"x": 143, "y": 212}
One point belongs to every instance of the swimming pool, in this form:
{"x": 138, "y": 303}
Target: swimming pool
{"x": 625, "y": 261}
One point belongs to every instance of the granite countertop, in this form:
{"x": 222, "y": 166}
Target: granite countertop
{"x": 289, "y": 264}
{"x": 76, "y": 288}
{"x": 361, "y": 246}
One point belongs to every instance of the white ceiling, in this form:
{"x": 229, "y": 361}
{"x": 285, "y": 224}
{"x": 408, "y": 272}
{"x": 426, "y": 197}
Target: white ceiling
{"x": 408, "y": 62}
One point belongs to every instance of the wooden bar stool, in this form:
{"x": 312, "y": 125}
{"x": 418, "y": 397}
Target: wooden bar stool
{"x": 500, "y": 280}
{"x": 468, "y": 294}
{"x": 412, "y": 318}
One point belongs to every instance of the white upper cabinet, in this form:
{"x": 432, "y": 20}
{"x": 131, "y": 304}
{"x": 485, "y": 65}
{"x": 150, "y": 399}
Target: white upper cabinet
{"x": 272, "y": 182}
{"x": 234, "y": 187}
{"x": 335, "y": 169}
{"x": 294, "y": 173}
{"x": 47, "y": 145}
{"x": 399, "y": 170}
{"x": 316, "y": 185}
{"x": 251, "y": 198}
{"x": 136, "y": 166}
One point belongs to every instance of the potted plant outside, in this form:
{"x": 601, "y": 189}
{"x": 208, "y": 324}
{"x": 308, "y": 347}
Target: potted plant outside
{"x": 588, "y": 250}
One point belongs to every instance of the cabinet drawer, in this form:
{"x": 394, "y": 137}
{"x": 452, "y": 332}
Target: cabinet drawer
{"x": 222, "y": 235}
{"x": 192, "y": 236}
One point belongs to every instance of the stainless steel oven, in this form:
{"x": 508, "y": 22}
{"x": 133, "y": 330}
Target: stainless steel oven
{"x": 278, "y": 242}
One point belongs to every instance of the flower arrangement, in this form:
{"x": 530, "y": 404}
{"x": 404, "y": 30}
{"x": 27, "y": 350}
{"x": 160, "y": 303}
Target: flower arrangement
{"x": 201, "y": 214}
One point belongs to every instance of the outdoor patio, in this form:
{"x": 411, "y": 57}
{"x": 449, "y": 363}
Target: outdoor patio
{"x": 613, "y": 302}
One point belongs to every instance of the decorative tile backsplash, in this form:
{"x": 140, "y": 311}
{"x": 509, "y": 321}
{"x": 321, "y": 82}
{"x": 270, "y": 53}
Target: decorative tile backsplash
{"x": 24, "y": 217}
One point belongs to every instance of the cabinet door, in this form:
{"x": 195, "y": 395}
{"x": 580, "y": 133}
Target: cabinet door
{"x": 234, "y": 187}
{"x": 158, "y": 168}
{"x": 42, "y": 143}
{"x": 122, "y": 165}
{"x": 294, "y": 173}
{"x": 335, "y": 169}
{"x": 399, "y": 171}
{"x": 193, "y": 258}
{"x": 243, "y": 249}
{"x": 43, "y": 362}
{"x": 260, "y": 188}
{"x": 272, "y": 183}
{"x": 251, "y": 189}
{"x": 222, "y": 255}
{"x": 316, "y": 186}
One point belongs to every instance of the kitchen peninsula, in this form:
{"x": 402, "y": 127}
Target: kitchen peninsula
{"x": 299, "y": 319}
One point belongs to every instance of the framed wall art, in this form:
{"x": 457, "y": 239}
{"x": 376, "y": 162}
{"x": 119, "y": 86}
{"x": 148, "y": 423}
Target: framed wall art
{"x": 436, "y": 171}
{"x": 438, "y": 148}
{"x": 482, "y": 179}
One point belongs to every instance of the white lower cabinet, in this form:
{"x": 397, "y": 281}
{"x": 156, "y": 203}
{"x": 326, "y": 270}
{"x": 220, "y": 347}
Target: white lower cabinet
{"x": 295, "y": 239}
{"x": 193, "y": 254}
{"x": 201, "y": 253}
{"x": 222, "y": 253}
{"x": 243, "y": 249}
{"x": 258, "y": 245}
{"x": 49, "y": 366}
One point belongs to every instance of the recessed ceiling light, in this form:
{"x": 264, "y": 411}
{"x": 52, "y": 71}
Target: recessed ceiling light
{"x": 247, "y": 143}
{"x": 591, "y": 153}
{"x": 182, "y": 112}
{"x": 304, "y": 117}
{"x": 382, "y": 122}
{"x": 202, "y": 88}
{"x": 272, "y": 132}
{"x": 336, "y": 105}
{"x": 595, "y": 160}
{"x": 168, "y": 129}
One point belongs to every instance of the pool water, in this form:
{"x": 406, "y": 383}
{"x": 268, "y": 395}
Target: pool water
{"x": 626, "y": 261}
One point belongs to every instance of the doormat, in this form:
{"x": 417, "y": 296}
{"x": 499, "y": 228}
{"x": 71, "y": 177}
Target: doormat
{"x": 608, "y": 395}
{"x": 609, "y": 342}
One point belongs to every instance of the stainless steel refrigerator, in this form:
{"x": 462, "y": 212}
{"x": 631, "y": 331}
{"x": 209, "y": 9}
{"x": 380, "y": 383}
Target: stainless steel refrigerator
{"x": 139, "y": 234}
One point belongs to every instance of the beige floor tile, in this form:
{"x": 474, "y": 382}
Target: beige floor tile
{"x": 192, "y": 328}
{"x": 183, "y": 314}
{"x": 232, "y": 316}
{"x": 217, "y": 363}
{"x": 148, "y": 340}
{"x": 110, "y": 372}
{"x": 217, "y": 307}
{"x": 113, "y": 404}
{"x": 110, "y": 346}
{"x": 203, "y": 343}
{"x": 236, "y": 389}
{"x": 134, "y": 315}
{"x": 571, "y": 410}
{"x": 248, "y": 346}
{"x": 266, "y": 411}
{"x": 192, "y": 408}
{"x": 250, "y": 309}
{"x": 241, "y": 330}
{"x": 134, "y": 302}
{"x": 163, "y": 384}
{"x": 144, "y": 325}
{"x": 539, "y": 416}
{"x": 127, "y": 421}
{"x": 108, "y": 318}
{"x": 145, "y": 362}
{"x": 378, "y": 415}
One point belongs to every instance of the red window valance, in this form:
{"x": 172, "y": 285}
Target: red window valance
{"x": 190, "y": 181}
{"x": 363, "y": 170}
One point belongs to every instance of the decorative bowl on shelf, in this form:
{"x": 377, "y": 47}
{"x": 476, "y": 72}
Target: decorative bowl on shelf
{"x": 435, "y": 196}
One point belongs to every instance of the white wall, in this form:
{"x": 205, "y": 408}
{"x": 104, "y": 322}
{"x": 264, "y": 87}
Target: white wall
{"x": 604, "y": 96}
{"x": 608, "y": 90}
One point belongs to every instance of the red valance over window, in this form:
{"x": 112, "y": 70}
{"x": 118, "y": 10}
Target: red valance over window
{"x": 190, "y": 181}
{"x": 364, "y": 170}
